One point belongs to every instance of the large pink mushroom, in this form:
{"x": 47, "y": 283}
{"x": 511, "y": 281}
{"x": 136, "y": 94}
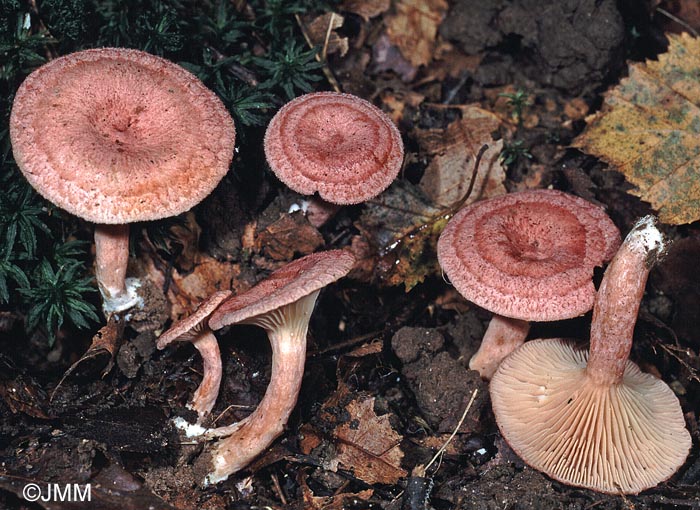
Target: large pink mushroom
{"x": 117, "y": 136}
{"x": 282, "y": 305}
{"x": 338, "y": 145}
{"x": 526, "y": 256}
{"x": 596, "y": 420}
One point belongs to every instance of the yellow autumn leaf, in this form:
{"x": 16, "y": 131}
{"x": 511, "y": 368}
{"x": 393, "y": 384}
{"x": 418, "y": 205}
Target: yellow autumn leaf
{"x": 649, "y": 129}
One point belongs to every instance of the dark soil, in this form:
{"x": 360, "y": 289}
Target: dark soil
{"x": 109, "y": 423}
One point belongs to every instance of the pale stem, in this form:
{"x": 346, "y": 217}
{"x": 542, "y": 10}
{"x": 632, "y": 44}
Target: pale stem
{"x": 618, "y": 299}
{"x": 111, "y": 259}
{"x": 286, "y": 328}
{"x": 502, "y": 337}
{"x": 208, "y": 390}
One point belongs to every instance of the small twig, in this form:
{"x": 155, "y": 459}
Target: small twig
{"x": 278, "y": 488}
{"x": 332, "y": 81}
{"x": 454, "y": 432}
{"x": 678, "y": 20}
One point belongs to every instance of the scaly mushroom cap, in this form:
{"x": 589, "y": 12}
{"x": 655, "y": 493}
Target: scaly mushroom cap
{"x": 623, "y": 438}
{"x": 528, "y": 255}
{"x": 284, "y": 286}
{"x": 342, "y": 146}
{"x": 115, "y": 135}
{"x": 188, "y": 328}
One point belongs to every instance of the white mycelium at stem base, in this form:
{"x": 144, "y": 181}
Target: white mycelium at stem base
{"x": 111, "y": 260}
{"x": 286, "y": 328}
{"x": 595, "y": 421}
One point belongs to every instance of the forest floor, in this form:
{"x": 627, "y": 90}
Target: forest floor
{"x": 386, "y": 379}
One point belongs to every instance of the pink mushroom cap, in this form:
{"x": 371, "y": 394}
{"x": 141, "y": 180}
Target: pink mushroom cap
{"x": 340, "y": 145}
{"x": 528, "y": 255}
{"x": 284, "y": 286}
{"x": 116, "y": 135}
{"x": 186, "y": 329}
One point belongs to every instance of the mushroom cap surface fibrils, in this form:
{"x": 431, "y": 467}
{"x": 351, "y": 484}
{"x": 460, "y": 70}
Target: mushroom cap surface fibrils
{"x": 284, "y": 286}
{"x": 528, "y": 255}
{"x": 625, "y": 437}
{"x": 338, "y": 144}
{"x": 118, "y": 135}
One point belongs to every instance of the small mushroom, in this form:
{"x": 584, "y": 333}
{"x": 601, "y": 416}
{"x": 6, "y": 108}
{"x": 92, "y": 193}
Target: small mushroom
{"x": 526, "y": 256}
{"x": 117, "y": 136}
{"x": 340, "y": 145}
{"x": 195, "y": 329}
{"x": 282, "y": 305}
{"x": 596, "y": 421}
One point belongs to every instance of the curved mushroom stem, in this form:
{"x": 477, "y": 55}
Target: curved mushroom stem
{"x": 286, "y": 328}
{"x": 207, "y": 392}
{"x": 502, "y": 337}
{"x": 617, "y": 303}
{"x": 111, "y": 260}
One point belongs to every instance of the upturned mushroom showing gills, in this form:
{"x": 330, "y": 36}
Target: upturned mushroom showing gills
{"x": 195, "y": 329}
{"x": 282, "y": 305}
{"x": 596, "y": 420}
{"x": 526, "y": 256}
{"x": 338, "y": 145}
{"x": 117, "y": 136}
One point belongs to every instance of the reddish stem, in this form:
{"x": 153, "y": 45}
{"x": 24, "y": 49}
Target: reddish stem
{"x": 617, "y": 303}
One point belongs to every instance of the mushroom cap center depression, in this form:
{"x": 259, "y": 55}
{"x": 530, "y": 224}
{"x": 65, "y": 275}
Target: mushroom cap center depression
{"x": 120, "y": 126}
{"x": 529, "y": 240}
{"x": 335, "y": 139}
{"x": 116, "y": 135}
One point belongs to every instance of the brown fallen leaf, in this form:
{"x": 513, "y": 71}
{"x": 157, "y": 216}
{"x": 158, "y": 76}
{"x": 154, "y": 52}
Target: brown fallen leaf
{"x": 322, "y": 33}
{"x": 362, "y": 442}
{"x": 335, "y": 502}
{"x": 413, "y": 28}
{"x": 21, "y": 392}
{"x": 648, "y": 129}
{"x": 106, "y": 342}
{"x": 366, "y": 9}
{"x": 403, "y": 225}
{"x": 450, "y": 172}
{"x": 291, "y": 234}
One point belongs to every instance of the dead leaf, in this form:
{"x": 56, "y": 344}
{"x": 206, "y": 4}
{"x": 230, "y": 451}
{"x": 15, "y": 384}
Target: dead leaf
{"x": 403, "y": 224}
{"x": 413, "y": 28}
{"x": 335, "y": 502}
{"x": 20, "y": 391}
{"x": 106, "y": 342}
{"x": 449, "y": 174}
{"x": 324, "y": 28}
{"x": 362, "y": 442}
{"x": 291, "y": 234}
{"x": 648, "y": 129}
{"x": 187, "y": 291}
{"x": 366, "y": 9}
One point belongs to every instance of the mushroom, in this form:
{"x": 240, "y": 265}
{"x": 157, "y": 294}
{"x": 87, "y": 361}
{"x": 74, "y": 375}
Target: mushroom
{"x": 596, "y": 421}
{"x": 195, "y": 329}
{"x": 338, "y": 144}
{"x": 117, "y": 136}
{"x": 526, "y": 256}
{"x": 282, "y": 305}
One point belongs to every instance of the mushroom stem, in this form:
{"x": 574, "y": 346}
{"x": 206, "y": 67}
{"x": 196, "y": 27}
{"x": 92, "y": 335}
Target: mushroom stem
{"x": 502, "y": 337}
{"x": 111, "y": 260}
{"x": 286, "y": 329}
{"x": 205, "y": 395}
{"x": 617, "y": 303}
